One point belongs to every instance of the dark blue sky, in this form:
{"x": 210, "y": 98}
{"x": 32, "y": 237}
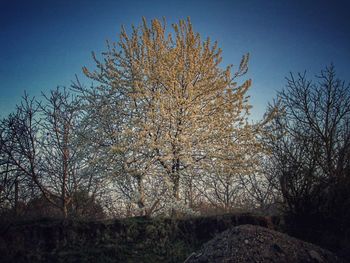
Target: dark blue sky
{"x": 45, "y": 43}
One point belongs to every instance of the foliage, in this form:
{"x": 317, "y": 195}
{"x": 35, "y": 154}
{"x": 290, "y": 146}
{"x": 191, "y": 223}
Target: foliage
{"x": 165, "y": 113}
{"x": 137, "y": 239}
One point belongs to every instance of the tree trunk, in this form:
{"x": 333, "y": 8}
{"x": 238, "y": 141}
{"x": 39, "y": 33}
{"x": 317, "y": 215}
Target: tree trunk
{"x": 176, "y": 186}
{"x": 65, "y": 170}
{"x": 176, "y": 179}
{"x": 16, "y": 198}
{"x": 141, "y": 190}
{"x": 176, "y": 191}
{"x": 64, "y": 209}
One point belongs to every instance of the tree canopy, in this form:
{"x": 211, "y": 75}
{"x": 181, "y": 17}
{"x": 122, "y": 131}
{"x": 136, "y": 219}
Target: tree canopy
{"x": 170, "y": 107}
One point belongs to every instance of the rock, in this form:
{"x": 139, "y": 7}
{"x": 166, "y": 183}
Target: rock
{"x": 316, "y": 257}
{"x": 277, "y": 248}
{"x": 190, "y": 256}
{"x": 260, "y": 245}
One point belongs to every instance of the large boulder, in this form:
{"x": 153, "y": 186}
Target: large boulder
{"x": 252, "y": 244}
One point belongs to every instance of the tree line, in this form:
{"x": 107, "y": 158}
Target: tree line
{"x": 164, "y": 129}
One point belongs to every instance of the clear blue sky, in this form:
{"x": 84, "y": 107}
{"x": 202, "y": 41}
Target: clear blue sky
{"x": 45, "y": 43}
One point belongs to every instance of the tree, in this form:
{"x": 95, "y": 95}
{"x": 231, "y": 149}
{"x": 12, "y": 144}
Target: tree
{"x": 8, "y": 180}
{"x": 310, "y": 156}
{"x": 62, "y": 162}
{"x": 170, "y": 106}
{"x": 19, "y": 154}
{"x": 41, "y": 152}
{"x": 83, "y": 205}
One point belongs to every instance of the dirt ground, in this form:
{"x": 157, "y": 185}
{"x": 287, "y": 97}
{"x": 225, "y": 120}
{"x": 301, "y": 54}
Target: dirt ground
{"x": 253, "y": 244}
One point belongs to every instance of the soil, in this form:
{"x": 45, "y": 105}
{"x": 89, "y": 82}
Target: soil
{"x": 253, "y": 244}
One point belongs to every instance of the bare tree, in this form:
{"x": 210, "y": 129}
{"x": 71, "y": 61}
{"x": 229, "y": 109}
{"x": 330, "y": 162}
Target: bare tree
{"x": 65, "y": 158}
{"x": 19, "y": 151}
{"x": 41, "y": 152}
{"x": 310, "y": 156}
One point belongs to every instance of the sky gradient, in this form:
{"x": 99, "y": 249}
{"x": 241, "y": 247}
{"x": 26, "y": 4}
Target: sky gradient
{"x": 43, "y": 44}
